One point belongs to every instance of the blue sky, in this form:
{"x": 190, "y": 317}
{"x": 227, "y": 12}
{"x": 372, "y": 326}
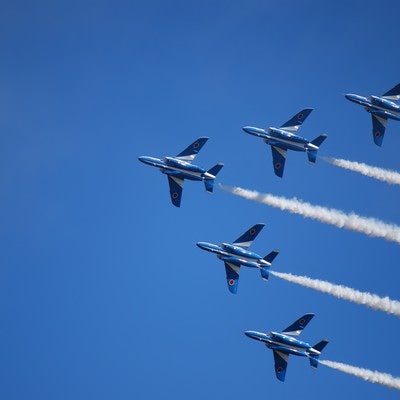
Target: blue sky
{"x": 103, "y": 293}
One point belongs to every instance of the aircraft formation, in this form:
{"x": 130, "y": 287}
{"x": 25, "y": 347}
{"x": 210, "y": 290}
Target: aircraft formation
{"x": 236, "y": 254}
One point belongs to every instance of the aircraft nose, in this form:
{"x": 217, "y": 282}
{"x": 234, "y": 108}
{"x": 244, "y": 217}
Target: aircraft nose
{"x": 250, "y": 334}
{"x": 247, "y": 129}
{"x": 142, "y": 159}
{"x": 202, "y": 245}
{"x": 350, "y": 96}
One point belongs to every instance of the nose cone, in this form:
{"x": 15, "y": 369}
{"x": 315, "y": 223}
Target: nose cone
{"x": 202, "y": 245}
{"x": 247, "y": 129}
{"x": 351, "y": 97}
{"x": 250, "y": 334}
{"x": 143, "y": 159}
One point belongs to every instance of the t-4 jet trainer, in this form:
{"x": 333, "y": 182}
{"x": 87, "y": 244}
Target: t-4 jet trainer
{"x": 381, "y": 109}
{"x": 180, "y": 168}
{"x": 234, "y": 255}
{"x": 283, "y": 139}
{"x": 283, "y": 344}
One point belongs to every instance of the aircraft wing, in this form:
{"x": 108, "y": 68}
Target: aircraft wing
{"x": 278, "y": 160}
{"x": 393, "y": 94}
{"x": 192, "y": 150}
{"x": 247, "y": 238}
{"x": 175, "y": 190}
{"x": 297, "y": 327}
{"x": 232, "y": 276}
{"x": 294, "y": 123}
{"x": 378, "y": 129}
{"x": 281, "y": 361}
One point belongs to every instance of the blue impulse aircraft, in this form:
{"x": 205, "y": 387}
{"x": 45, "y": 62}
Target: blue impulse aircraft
{"x": 283, "y": 139}
{"x": 381, "y": 109}
{"x": 180, "y": 168}
{"x": 283, "y": 344}
{"x": 234, "y": 255}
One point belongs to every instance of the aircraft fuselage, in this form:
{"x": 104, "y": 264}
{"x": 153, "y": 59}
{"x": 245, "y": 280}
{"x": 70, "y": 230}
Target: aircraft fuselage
{"x": 376, "y": 105}
{"x": 235, "y": 255}
{"x": 284, "y": 343}
{"x": 177, "y": 168}
{"x": 281, "y": 138}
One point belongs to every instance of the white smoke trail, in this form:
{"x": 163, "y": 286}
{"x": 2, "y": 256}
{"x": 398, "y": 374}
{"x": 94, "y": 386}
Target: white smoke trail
{"x": 366, "y": 374}
{"x": 354, "y": 222}
{"x": 346, "y": 293}
{"x": 384, "y": 175}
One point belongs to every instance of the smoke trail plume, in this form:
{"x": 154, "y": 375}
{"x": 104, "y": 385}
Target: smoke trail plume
{"x": 384, "y": 175}
{"x": 346, "y": 293}
{"x": 369, "y": 226}
{"x": 366, "y": 374}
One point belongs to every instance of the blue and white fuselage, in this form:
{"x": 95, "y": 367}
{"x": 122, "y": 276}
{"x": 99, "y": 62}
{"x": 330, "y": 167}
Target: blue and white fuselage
{"x": 377, "y": 105}
{"x": 381, "y": 109}
{"x": 281, "y": 138}
{"x": 178, "y": 168}
{"x": 284, "y": 344}
{"x": 235, "y": 254}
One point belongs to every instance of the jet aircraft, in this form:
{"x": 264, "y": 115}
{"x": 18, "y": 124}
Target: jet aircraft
{"x": 283, "y": 344}
{"x": 235, "y": 254}
{"x": 180, "y": 168}
{"x": 283, "y": 139}
{"x": 381, "y": 109}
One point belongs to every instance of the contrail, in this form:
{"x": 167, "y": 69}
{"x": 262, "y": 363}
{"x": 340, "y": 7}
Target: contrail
{"x": 366, "y": 374}
{"x": 369, "y": 226}
{"x": 384, "y": 175}
{"x": 346, "y": 293}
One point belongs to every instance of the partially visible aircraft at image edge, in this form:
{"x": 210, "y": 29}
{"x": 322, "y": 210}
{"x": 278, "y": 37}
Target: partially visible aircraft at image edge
{"x": 283, "y": 139}
{"x": 180, "y": 168}
{"x": 283, "y": 344}
{"x": 234, "y": 255}
{"x": 381, "y": 109}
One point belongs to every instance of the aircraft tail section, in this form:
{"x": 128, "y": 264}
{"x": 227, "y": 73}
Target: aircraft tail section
{"x": 318, "y": 141}
{"x": 215, "y": 169}
{"x": 314, "y": 358}
{"x": 264, "y": 273}
{"x": 321, "y": 345}
{"x": 271, "y": 256}
{"x": 312, "y": 156}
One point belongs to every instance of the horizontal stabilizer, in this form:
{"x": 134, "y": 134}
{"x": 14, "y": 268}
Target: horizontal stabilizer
{"x": 264, "y": 273}
{"x": 299, "y": 325}
{"x": 312, "y": 156}
{"x": 318, "y": 141}
{"x": 321, "y": 345}
{"x": 314, "y": 361}
{"x": 271, "y": 256}
{"x": 215, "y": 169}
{"x": 393, "y": 94}
{"x": 209, "y": 184}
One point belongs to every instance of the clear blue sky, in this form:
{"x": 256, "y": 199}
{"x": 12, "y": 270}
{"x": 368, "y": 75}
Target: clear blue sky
{"x": 103, "y": 293}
